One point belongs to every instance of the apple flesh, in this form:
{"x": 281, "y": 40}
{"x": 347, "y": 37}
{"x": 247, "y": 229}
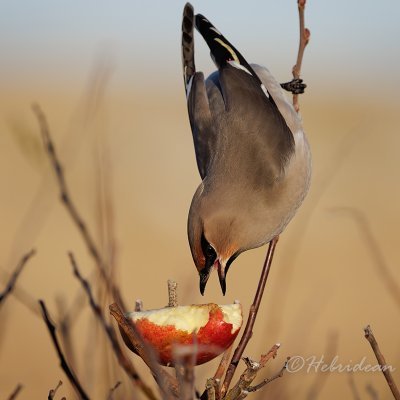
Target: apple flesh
{"x": 212, "y": 327}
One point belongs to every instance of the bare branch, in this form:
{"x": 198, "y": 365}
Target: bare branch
{"x": 172, "y": 293}
{"x": 248, "y": 331}
{"x": 63, "y": 362}
{"x": 211, "y": 389}
{"x": 383, "y": 270}
{"x": 112, "y": 390}
{"x": 320, "y": 379}
{"x": 12, "y": 281}
{"x": 15, "y": 392}
{"x": 184, "y": 361}
{"x": 304, "y": 39}
{"x": 382, "y": 363}
{"x": 138, "y": 305}
{"x": 124, "y": 361}
{"x": 219, "y": 373}
{"x": 269, "y": 380}
{"x": 70, "y": 205}
{"x": 353, "y": 387}
{"x": 372, "y": 392}
{"x": 53, "y": 392}
{"x": 168, "y": 384}
{"x": 242, "y": 387}
{"x": 245, "y": 380}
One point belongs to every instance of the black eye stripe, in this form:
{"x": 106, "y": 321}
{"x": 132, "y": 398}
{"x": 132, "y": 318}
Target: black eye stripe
{"x": 208, "y": 251}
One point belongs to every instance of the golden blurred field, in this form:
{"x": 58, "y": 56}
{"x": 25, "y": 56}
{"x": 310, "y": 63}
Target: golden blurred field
{"x": 133, "y": 145}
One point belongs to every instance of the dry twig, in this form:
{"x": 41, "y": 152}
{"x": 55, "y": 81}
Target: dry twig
{"x": 243, "y": 385}
{"x": 168, "y": 384}
{"x": 63, "y": 362}
{"x": 112, "y": 390}
{"x": 219, "y": 373}
{"x": 15, "y": 392}
{"x": 248, "y": 331}
{"x": 353, "y": 387}
{"x": 383, "y": 270}
{"x": 124, "y": 361}
{"x": 316, "y": 387}
{"x": 70, "y": 205}
{"x": 269, "y": 380}
{"x": 304, "y": 39}
{"x": 184, "y": 361}
{"x": 372, "y": 392}
{"x": 138, "y": 305}
{"x": 382, "y": 363}
{"x": 172, "y": 293}
{"x": 12, "y": 281}
{"x": 53, "y": 392}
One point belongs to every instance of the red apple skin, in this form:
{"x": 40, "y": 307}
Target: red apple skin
{"x": 216, "y": 334}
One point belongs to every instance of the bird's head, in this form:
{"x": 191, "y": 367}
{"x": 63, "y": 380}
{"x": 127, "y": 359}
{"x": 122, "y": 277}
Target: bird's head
{"x": 212, "y": 240}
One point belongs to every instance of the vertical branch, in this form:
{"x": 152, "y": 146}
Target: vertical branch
{"x": 304, "y": 39}
{"x": 248, "y": 331}
{"x": 382, "y": 363}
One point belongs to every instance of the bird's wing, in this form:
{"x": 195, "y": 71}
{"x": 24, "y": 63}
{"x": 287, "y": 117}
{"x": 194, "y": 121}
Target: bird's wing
{"x": 197, "y": 99}
{"x": 249, "y": 104}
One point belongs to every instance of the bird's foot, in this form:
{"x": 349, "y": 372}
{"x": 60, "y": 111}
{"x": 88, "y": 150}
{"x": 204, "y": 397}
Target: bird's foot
{"x": 296, "y": 86}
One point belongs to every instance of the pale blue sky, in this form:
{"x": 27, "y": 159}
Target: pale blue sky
{"x": 56, "y": 41}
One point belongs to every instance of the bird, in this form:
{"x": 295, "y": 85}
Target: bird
{"x": 251, "y": 150}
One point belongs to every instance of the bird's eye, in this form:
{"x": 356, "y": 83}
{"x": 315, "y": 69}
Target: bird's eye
{"x": 208, "y": 251}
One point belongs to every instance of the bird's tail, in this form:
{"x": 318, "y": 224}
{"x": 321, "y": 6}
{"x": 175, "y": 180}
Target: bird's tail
{"x": 223, "y": 52}
{"x": 221, "y": 49}
{"x": 189, "y": 68}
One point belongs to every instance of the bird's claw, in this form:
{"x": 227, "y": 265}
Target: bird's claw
{"x": 296, "y": 86}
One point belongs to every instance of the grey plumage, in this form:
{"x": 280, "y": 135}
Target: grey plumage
{"x": 251, "y": 153}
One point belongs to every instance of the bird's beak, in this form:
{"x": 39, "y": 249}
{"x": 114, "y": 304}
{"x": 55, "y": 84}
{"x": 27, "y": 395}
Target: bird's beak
{"x": 203, "y": 280}
{"x": 221, "y": 275}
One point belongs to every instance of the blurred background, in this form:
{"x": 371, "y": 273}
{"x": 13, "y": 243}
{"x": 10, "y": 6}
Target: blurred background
{"x": 108, "y": 77}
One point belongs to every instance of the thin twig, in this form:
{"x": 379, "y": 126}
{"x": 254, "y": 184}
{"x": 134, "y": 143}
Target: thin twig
{"x": 316, "y": 387}
{"x": 353, "y": 387}
{"x": 269, "y": 380}
{"x": 211, "y": 389}
{"x": 184, "y": 361}
{"x": 304, "y": 39}
{"x": 64, "y": 326}
{"x": 382, "y": 363}
{"x": 124, "y": 361}
{"x": 138, "y": 305}
{"x": 12, "y": 281}
{"x": 15, "y": 392}
{"x": 241, "y": 389}
{"x": 70, "y": 205}
{"x": 372, "y": 391}
{"x": 383, "y": 270}
{"x": 112, "y": 390}
{"x": 63, "y": 362}
{"x": 167, "y": 383}
{"x": 53, "y": 392}
{"x": 219, "y": 373}
{"x": 172, "y": 293}
{"x": 248, "y": 331}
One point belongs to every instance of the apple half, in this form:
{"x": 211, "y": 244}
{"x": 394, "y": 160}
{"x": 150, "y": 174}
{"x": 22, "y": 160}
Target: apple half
{"x": 212, "y": 327}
